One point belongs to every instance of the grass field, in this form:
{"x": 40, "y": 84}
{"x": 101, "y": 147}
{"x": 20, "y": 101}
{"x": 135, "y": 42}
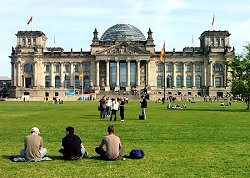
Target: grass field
{"x": 203, "y": 140}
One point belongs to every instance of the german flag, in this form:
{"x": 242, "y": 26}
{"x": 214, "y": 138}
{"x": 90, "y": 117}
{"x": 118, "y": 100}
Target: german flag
{"x": 162, "y": 52}
{"x": 81, "y": 75}
{"x": 30, "y": 20}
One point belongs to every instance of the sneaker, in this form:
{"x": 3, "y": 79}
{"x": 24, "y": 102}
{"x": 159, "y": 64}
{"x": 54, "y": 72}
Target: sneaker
{"x": 122, "y": 120}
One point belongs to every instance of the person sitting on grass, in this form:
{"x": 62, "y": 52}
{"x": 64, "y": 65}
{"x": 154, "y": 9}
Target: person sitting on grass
{"x": 33, "y": 146}
{"x": 73, "y": 148}
{"x": 112, "y": 142}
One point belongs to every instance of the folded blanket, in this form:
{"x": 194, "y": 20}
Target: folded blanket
{"x": 20, "y": 159}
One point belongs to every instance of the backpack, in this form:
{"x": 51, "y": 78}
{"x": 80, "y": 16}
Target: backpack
{"x": 136, "y": 154}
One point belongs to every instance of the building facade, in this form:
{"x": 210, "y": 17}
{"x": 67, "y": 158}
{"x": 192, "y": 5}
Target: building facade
{"x": 122, "y": 59}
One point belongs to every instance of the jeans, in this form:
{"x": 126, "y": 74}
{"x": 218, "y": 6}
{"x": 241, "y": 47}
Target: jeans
{"x": 143, "y": 112}
{"x": 113, "y": 112}
{"x": 102, "y": 153}
{"x": 43, "y": 152}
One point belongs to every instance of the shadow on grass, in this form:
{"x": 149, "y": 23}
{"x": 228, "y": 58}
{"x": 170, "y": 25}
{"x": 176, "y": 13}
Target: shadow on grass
{"x": 215, "y": 109}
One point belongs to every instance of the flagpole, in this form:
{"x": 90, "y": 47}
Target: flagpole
{"x": 82, "y": 86}
{"x": 164, "y": 77}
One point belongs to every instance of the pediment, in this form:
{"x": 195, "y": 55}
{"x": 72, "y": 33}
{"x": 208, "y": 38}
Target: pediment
{"x": 123, "y": 48}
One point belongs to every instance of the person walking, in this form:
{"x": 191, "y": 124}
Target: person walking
{"x": 122, "y": 108}
{"x": 114, "y": 108}
{"x": 102, "y": 107}
{"x": 143, "y": 107}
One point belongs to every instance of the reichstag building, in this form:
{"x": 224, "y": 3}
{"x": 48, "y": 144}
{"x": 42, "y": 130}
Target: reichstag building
{"x": 123, "y": 59}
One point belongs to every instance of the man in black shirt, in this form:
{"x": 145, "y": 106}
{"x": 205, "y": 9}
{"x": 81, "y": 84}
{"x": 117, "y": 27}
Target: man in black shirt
{"x": 73, "y": 148}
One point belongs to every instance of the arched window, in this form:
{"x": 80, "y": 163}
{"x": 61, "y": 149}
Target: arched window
{"x": 67, "y": 82}
{"x": 178, "y": 82}
{"x": 57, "y": 82}
{"x": 198, "y": 82}
{"x": 28, "y": 68}
{"x": 159, "y": 82}
{"x": 188, "y": 81}
{"x": 86, "y": 82}
{"x": 159, "y": 68}
{"x": 47, "y": 81}
{"x": 169, "y": 82}
{"x": 217, "y": 67}
{"x": 77, "y": 82}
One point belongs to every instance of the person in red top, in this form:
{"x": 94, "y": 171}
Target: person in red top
{"x": 112, "y": 142}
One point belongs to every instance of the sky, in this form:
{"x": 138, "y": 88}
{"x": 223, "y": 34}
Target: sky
{"x": 72, "y": 22}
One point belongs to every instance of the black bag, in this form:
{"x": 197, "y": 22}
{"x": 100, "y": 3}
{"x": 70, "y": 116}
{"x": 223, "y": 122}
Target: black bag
{"x": 99, "y": 108}
{"x": 136, "y": 154}
{"x": 141, "y": 117}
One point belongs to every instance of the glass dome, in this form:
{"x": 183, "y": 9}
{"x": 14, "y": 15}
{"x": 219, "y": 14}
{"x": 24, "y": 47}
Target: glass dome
{"x": 123, "y": 32}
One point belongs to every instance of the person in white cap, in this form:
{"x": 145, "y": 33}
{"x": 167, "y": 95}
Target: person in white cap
{"x": 33, "y": 146}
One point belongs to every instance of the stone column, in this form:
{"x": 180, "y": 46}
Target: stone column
{"x": 128, "y": 88}
{"x": 52, "y": 76}
{"x": 107, "y": 87}
{"x": 72, "y": 74}
{"x": 183, "y": 75}
{"x": 225, "y": 75}
{"x": 138, "y": 74}
{"x": 148, "y": 74}
{"x": 193, "y": 77}
{"x": 97, "y": 74}
{"x": 62, "y": 76}
{"x": 34, "y": 74}
{"x": 18, "y": 74}
{"x": 117, "y": 87}
{"x": 211, "y": 74}
{"x": 205, "y": 74}
{"x": 174, "y": 75}
{"x": 12, "y": 74}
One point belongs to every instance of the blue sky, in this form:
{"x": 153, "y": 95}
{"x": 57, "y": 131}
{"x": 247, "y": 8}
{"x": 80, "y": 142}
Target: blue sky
{"x": 72, "y": 22}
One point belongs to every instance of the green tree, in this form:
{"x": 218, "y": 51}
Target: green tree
{"x": 240, "y": 67}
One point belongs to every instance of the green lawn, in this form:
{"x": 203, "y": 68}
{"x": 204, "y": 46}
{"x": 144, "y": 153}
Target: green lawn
{"x": 203, "y": 140}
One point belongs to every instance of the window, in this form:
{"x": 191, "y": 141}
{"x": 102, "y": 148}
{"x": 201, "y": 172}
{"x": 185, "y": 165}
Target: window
{"x": 212, "y": 41}
{"x": 57, "y": 82}
{"x": 47, "y": 81}
{"x": 47, "y": 68}
{"x": 198, "y": 82}
{"x": 86, "y": 82}
{"x": 169, "y": 68}
{"x": 178, "y": 82}
{"x": 77, "y": 82}
{"x": 189, "y": 68}
{"x": 76, "y": 68}
{"x": 159, "y": 68}
{"x": 67, "y": 82}
{"x": 28, "y": 83}
{"x": 67, "y": 68}
{"x": 188, "y": 81}
{"x": 132, "y": 74}
{"x": 217, "y": 67}
{"x": 28, "y": 68}
{"x": 198, "y": 68}
{"x": 34, "y": 42}
{"x": 222, "y": 42}
{"x": 169, "y": 82}
{"x": 159, "y": 82}
{"x": 86, "y": 68}
{"x": 217, "y": 82}
{"x": 29, "y": 41}
{"x": 23, "y": 41}
{"x": 217, "y": 42}
{"x": 178, "y": 68}
{"x": 57, "y": 68}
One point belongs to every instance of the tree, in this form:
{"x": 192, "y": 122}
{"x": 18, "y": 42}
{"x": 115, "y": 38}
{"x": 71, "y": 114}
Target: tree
{"x": 240, "y": 68}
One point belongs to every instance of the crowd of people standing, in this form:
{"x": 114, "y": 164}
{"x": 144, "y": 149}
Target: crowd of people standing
{"x": 110, "y": 106}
